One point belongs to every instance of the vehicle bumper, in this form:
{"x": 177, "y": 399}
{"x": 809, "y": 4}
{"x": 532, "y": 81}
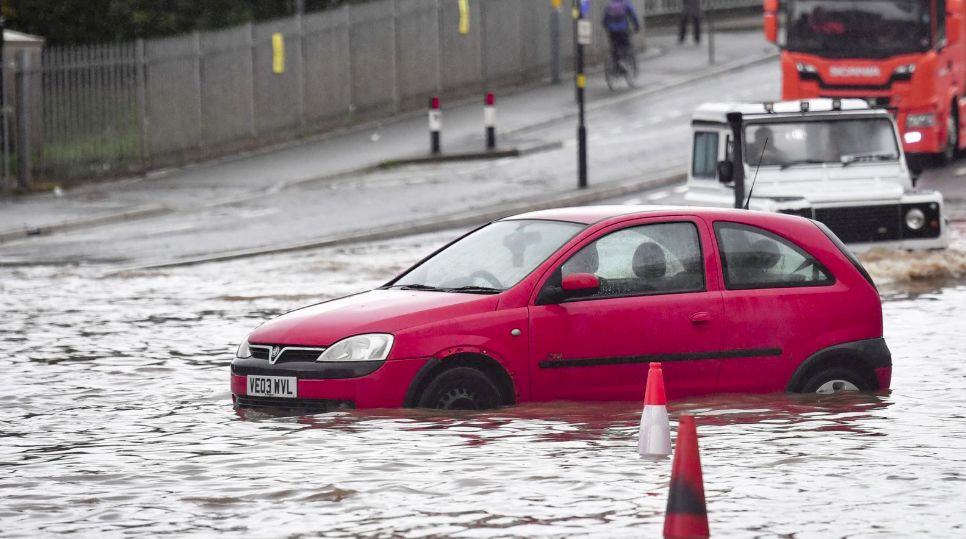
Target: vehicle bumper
{"x": 330, "y": 386}
{"x": 884, "y": 376}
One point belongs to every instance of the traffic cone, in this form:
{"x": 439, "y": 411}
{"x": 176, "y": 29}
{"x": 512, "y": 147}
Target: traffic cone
{"x": 686, "y": 515}
{"x": 655, "y": 436}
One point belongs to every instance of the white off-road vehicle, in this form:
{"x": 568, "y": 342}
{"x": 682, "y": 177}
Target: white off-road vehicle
{"x": 836, "y": 161}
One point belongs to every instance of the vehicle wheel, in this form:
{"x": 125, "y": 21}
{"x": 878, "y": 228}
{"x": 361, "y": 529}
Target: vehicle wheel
{"x": 610, "y": 74}
{"x": 630, "y": 70}
{"x": 461, "y": 388}
{"x": 835, "y": 380}
{"x": 952, "y": 137}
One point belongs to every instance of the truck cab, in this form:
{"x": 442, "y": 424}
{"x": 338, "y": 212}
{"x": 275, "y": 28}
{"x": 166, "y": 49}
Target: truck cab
{"x": 837, "y": 161}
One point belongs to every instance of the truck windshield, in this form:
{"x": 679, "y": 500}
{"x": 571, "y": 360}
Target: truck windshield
{"x": 858, "y": 29}
{"x": 820, "y": 141}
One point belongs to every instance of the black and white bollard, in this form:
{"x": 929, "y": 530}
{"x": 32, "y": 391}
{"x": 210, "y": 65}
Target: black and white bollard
{"x": 489, "y": 120}
{"x": 435, "y": 123}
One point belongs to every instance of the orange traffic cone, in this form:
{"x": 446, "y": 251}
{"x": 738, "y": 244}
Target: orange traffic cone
{"x": 655, "y": 436}
{"x": 686, "y": 515}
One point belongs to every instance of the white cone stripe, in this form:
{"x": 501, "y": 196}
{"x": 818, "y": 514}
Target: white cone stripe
{"x": 655, "y": 435}
{"x": 489, "y": 116}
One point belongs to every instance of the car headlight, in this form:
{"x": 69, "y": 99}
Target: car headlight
{"x": 926, "y": 119}
{"x": 243, "y": 352}
{"x": 915, "y": 219}
{"x": 368, "y": 347}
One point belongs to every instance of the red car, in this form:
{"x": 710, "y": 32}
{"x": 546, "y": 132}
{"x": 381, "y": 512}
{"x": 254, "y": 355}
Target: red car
{"x": 572, "y": 304}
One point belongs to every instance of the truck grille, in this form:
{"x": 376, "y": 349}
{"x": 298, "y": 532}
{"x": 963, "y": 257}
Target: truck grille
{"x": 862, "y": 224}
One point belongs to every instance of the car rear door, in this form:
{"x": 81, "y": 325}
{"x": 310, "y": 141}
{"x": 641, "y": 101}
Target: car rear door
{"x": 779, "y": 299}
{"x": 655, "y": 304}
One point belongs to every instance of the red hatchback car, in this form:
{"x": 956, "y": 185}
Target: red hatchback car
{"x": 572, "y": 304}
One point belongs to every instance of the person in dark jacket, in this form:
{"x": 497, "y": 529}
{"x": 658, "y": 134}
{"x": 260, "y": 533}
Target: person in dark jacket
{"x": 619, "y": 16}
{"x": 690, "y": 11}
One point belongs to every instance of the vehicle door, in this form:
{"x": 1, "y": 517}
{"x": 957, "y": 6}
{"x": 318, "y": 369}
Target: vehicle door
{"x": 654, "y": 304}
{"x": 775, "y": 296}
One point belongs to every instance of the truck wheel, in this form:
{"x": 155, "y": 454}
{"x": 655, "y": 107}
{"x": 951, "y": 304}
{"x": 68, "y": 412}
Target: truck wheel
{"x": 835, "y": 380}
{"x": 952, "y": 137}
{"x": 461, "y": 388}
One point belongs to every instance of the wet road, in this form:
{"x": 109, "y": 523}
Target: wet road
{"x": 117, "y": 422}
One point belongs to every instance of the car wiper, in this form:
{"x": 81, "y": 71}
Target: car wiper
{"x": 849, "y": 159}
{"x": 476, "y": 289}
{"x": 416, "y": 286}
{"x": 800, "y": 162}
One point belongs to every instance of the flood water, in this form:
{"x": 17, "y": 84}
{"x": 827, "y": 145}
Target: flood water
{"x": 117, "y": 421}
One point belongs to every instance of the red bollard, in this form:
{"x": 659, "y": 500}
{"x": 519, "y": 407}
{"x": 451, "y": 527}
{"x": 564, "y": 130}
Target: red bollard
{"x": 687, "y": 515}
{"x": 489, "y": 121}
{"x": 435, "y": 125}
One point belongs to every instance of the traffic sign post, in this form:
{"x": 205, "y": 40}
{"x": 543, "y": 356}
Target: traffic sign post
{"x": 582, "y": 37}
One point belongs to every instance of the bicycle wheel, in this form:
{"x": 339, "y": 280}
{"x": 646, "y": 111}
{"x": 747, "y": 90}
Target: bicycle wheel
{"x": 610, "y": 74}
{"x": 630, "y": 69}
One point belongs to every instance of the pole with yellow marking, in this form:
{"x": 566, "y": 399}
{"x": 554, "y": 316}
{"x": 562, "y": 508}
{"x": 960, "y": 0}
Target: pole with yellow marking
{"x": 581, "y": 35}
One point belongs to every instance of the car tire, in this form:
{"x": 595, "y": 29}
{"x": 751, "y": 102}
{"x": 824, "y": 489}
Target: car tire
{"x": 461, "y": 388}
{"x": 835, "y": 380}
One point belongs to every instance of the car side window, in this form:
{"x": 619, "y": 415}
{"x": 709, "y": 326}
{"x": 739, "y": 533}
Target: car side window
{"x": 659, "y": 258}
{"x": 755, "y": 258}
{"x": 705, "y": 157}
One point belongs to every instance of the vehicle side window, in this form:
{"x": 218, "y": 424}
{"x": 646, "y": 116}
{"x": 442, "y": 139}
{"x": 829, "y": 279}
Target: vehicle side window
{"x": 660, "y": 258}
{"x": 754, "y": 258}
{"x": 941, "y": 23}
{"x": 705, "y": 158}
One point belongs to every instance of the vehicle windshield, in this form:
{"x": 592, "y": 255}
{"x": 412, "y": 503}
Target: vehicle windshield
{"x": 858, "y": 28}
{"x": 825, "y": 141}
{"x": 492, "y": 259}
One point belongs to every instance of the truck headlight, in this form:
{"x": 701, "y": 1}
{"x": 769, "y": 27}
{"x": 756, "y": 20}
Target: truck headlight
{"x": 925, "y": 119}
{"x": 907, "y": 69}
{"x": 243, "y": 352}
{"x": 802, "y": 67}
{"x": 915, "y": 219}
{"x": 368, "y": 347}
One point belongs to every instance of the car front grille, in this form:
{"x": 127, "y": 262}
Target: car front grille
{"x": 862, "y": 224}
{"x": 286, "y": 354}
{"x": 315, "y": 405}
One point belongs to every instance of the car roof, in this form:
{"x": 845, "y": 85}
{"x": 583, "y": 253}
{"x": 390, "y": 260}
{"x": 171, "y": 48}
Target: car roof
{"x": 717, "y": 112}
{"x": 593, "y": 214}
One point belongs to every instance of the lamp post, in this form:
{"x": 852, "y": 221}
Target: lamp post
{"x": 582, "y": 29}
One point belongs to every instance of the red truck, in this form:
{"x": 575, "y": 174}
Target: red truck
{"x": 905, "y": 55}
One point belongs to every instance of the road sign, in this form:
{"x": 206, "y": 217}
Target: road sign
{"x": 584, "y": 32}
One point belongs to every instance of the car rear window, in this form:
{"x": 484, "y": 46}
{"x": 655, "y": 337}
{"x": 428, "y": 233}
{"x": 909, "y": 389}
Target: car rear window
{"x": 755, "y": 258}
{"x": 845, "y": 251}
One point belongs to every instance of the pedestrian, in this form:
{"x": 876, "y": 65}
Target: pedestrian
{"x": 690, "y": 11}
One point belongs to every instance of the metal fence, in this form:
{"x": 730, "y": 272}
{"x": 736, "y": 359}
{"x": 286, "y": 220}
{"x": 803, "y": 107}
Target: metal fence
{"x": 131, "y": 107}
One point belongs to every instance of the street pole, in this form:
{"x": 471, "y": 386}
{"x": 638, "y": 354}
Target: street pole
{"x": 554, "y": 41}
{"x": 710, "y": 26}
{"x": 581, "y": 81}
{"x": 4, "y": 131}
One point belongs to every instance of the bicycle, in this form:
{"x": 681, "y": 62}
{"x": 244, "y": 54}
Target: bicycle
{"x": 625, "y": 67}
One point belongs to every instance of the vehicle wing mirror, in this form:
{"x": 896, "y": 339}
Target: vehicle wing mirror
{"x": 726, "y": 171}
{"x": 580, "y": 284}
{"x": 953, "y": 29}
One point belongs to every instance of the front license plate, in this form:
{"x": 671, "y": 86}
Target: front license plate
{"x": 273, "y": 386}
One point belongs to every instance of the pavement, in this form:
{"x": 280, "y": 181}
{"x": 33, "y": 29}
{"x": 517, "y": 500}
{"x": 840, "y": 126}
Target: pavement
{"x": 329, "y": 187}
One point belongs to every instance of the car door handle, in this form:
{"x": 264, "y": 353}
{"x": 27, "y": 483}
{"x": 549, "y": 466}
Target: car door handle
{"x": 700, "y": 318}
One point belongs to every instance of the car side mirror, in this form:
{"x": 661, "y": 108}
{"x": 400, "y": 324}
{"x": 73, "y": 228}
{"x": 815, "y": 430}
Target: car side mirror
{"x": 580, "y": 284}
{"x": 726, "y": 171}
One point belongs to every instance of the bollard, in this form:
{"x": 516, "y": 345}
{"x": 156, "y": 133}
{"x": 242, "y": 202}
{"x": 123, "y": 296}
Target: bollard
{"x": 489, "y": 120}
{"x": 435, "y": 124}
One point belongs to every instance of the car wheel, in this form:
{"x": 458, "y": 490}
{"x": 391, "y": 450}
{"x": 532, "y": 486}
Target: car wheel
{"x": 836, "y": 380}
{"x": 461, "y": 388}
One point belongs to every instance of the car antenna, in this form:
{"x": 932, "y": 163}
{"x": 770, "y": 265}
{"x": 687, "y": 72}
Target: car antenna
{"x": 758, "y": 166}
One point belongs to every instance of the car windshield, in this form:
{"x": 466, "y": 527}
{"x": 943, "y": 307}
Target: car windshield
{"x": 826, "y": 141}
{"x": 858, "y": 29}
{"x": 492, "y": 258}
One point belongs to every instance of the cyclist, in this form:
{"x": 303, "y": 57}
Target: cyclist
{"x": 619, "y": 16}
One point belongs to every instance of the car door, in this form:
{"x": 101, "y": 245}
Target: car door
{"x": 775, "y": 295}
{"x": 654, "y": 304}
